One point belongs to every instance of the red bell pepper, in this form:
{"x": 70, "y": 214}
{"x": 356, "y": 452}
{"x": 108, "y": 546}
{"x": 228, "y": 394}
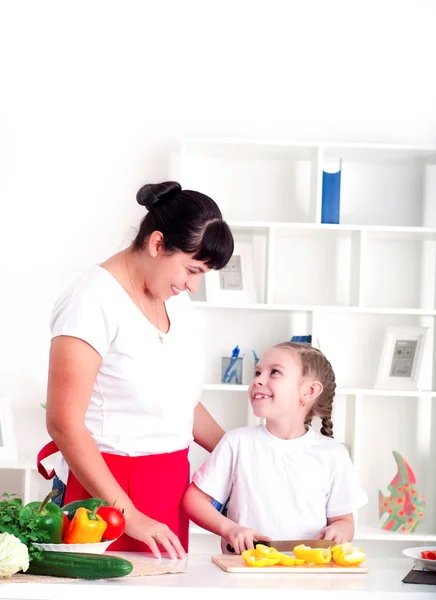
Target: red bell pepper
{"x": 428, "y": 554}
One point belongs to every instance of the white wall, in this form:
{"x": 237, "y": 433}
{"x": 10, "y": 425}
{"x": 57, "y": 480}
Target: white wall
{"x": 95, "y": 96}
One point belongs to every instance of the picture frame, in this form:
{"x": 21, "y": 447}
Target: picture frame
{"x": 235, "y": 283}
{"x": 401, "y": 358}
{"x": 8, "y": 451}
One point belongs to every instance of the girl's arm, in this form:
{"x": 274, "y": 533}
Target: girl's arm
{"x": 73, "y": 367}
{"x": 197, "y": 505}
{"x": 207, "y": 432}
{"x": 338, "y": 529}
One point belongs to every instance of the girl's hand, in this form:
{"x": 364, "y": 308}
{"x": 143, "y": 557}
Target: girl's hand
{"x": 338, "y": 529}
{"x": 241, "y": 538}
{"x": 335, "y": 533}
{"x": 150, "y": 531}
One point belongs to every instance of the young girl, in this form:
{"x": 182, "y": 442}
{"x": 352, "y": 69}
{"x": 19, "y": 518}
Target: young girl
{"x": 284, "y": 480}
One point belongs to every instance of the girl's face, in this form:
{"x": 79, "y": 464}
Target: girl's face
{"x": 278, "y": 391}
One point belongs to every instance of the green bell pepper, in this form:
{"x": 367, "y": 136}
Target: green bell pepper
{"x": 88, "y": 503}
{"x": 49, "y": 518}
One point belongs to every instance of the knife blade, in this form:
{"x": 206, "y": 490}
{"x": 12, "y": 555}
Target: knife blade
{"x": 289, "y": 545}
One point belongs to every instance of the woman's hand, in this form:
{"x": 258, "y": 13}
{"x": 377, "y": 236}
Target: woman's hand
{"x": 241, "y": 538}
{"x": 150, "y": 531}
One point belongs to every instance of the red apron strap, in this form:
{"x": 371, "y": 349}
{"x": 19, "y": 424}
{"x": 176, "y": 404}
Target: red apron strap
{"x": 48, "y": 450}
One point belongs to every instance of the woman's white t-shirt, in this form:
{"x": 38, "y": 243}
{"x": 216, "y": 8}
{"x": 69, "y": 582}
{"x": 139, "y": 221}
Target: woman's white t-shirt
{"x": 284, "y": 489}
{"x": 145, "y": 392}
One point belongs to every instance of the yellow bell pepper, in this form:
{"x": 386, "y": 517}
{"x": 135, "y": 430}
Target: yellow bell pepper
{"x": 289, "y": 561}
{"x": 268, "y": 551}
{"x": 348, "y": 555}
{"x": 284, "y": 559}
{"x": 85, "y": 527}
{"x": 255, "y": 558}
{"x": 317, "y": 556}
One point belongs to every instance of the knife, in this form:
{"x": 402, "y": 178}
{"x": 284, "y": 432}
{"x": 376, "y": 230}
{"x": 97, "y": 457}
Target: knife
{"x": 283, "y": 545}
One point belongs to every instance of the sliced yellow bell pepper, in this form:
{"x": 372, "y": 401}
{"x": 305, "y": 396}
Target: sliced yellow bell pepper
{"x": 287, "y": 561}
{"x": 255, "y": 558}
{"x": 268, "y": 551}
{"x": 284, "y": 559}
{"x": 317, "y": 556}
{"x": 348, "y": 555}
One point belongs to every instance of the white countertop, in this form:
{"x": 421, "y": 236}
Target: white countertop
{"x": 204, "y": 580}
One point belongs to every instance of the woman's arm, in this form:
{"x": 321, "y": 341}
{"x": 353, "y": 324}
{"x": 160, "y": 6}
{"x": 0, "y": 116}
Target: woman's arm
{"x": 338, "y": 529}
{"x": 73, "y": 367}
{"x": 197, "y": 505}
{"x": 207, "y": 432}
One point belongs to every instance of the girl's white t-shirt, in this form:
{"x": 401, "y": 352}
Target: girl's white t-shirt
{"x": 145, "y": 392}
{"x": 284, "y": 489}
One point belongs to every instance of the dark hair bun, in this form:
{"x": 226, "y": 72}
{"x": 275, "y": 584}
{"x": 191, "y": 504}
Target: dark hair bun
{"x": 152, "y": 193}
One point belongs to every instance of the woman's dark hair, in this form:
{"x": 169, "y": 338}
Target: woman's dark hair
{"x": 190, "y": 222}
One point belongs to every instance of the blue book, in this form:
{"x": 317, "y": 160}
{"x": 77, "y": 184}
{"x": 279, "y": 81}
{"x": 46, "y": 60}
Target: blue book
{"x": 302, "y": 339}
{"x": 331, "y": 195}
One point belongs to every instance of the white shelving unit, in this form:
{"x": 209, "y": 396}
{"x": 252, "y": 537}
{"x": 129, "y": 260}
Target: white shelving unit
{"x": 343, "y": 284}
{"x": 22, "y": 478}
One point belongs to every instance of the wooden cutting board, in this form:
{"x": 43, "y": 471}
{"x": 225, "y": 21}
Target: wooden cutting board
{"x": 236, "y": 564}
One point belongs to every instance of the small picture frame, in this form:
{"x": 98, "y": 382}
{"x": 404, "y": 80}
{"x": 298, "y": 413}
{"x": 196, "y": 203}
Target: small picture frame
{"x": 234, "y": 284}
{"x": 8, "y": 450}
{"x": 401, "y": 358}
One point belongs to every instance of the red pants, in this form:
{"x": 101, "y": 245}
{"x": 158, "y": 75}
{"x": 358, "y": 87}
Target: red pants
{"x": 155, "y": 484}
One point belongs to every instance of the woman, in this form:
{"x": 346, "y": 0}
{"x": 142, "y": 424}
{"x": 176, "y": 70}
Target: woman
{"x": 125, "y": 370}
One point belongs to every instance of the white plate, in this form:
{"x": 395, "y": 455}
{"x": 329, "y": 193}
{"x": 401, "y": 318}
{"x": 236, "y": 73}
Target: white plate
{"x": 94, "y": 548}
{"x": 415, "y": 553}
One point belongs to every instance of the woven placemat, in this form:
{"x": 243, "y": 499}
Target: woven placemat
{"x": 417, "y": 576}
{"x": 141, "y": 568}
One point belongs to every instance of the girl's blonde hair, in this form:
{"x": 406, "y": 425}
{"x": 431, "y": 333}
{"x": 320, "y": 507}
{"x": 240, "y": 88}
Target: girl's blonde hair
{"x": 314, "y": 364}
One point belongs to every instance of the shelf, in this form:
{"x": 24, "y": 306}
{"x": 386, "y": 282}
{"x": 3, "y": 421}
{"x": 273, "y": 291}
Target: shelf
{"x": 394, "y": 393}
{"x": 281, "y": 181}
{"x": 224, "y": 387}
{"x": 357, "y": 310}
{"x": 418, "y": 232}
{"x": 376, "y": 533}
{"x": 280, "y": 225}
{"x": 17, "y": 465}
{"x": 345, "y": 284}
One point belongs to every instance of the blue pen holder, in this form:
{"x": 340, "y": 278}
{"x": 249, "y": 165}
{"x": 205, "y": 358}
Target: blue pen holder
{"x": 231, "y": 370}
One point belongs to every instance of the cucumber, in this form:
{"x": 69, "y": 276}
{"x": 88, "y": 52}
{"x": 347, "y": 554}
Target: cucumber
{"x": 79, "y": 565}
{"x": 89, "y": 503}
